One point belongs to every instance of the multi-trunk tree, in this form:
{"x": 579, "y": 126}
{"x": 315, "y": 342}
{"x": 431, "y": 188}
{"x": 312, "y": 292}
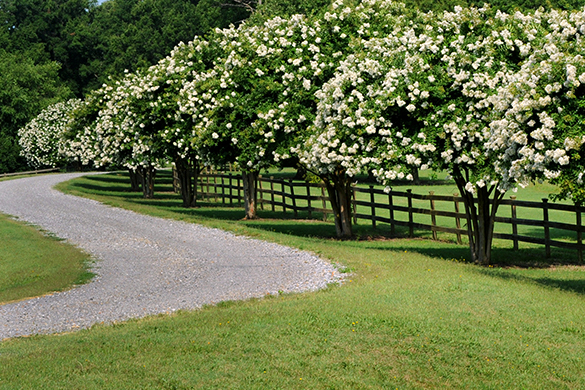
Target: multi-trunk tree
{"x": 474, "y": 92}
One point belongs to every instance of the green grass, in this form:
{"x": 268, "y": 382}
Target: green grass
{"x": 33, "y": 263}
{"x": 412, "y": 314}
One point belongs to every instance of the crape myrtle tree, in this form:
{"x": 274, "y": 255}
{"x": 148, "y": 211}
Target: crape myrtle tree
{"x": 544, "y": 105}
{"x": 446, "y": 97}
{"x": 42, "y": 139}
{"x": 82, "y": 139}
{"x": 106, "y": 132}
{"x": 403, "y": 102}
{"x": 263, "y": 96}
{"x": 155, "y": 101}
{"x": 479, "y": 52}
{"x": 126, "y": 131}
{"x": 345, "y": 135}
{"x": 486, "y": 130}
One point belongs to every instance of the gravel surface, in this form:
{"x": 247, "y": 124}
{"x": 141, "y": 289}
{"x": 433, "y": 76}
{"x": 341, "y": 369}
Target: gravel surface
{"x": 145, "y": 265}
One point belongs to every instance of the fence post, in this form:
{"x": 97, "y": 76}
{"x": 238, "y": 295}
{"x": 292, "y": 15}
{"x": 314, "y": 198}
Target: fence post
{"x": 546, "y": 227}
{"x": 579, "y": 234}
{"x": 283, "y": 196}
{"x": 391, "y": 211}
{"x": 373, "y": 206}
{"x": 261, "y": 192}
{"x": 324, "y": 203}
{"x": 231, "y": 186}
{"x": 222, "y": 190}
{"x": 239, "y": 196}
{"x": 457, "y": 219}
{"x": 294, "y": 200}
{"x": 433, "y": 216}
{"x": 272, "y": 192}
{"x": 207, "y": 192}
{"x": 309, "y": 201}
{"x": 514, "y": 223}
{"x": 410, "y": 216}
{"x": 200, "y": 193}
{"x": 215, "y": 186}
{"x": 354, "y": 203}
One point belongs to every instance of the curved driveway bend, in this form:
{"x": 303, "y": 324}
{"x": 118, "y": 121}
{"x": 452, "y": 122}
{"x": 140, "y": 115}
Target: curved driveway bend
{"x": 145, "y": 265}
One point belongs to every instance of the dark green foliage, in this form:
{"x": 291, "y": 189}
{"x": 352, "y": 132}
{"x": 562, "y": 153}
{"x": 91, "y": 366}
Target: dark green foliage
{"x": 523, "y": 5}
{"x": 92, "y": 42}
{"x": 45, "y": 30}
{"x": 25, "y": 90}
{"x": 271, "y": 8}
{"x": 130, "y": 34}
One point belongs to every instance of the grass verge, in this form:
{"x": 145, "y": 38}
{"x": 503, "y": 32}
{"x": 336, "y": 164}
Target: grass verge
{"x": 33, "y": 263}
{"x": 412, "y": 314}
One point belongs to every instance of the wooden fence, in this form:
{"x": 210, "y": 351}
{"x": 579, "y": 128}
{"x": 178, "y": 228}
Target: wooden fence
{"x": 30, "y": 172}
{"x": 434, "y": 213}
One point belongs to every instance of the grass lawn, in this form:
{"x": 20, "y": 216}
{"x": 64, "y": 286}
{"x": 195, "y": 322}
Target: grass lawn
{"x": 412, "y": 314}
{"x": 32, "y": 263}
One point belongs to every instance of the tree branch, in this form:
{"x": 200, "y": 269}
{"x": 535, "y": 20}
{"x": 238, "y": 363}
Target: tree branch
{"x": 249, "y": 5}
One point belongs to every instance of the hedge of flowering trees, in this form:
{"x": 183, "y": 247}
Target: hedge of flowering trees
{"x": 495, "y": 99}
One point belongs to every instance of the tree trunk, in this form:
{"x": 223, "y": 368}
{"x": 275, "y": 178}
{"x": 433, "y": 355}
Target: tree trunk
{"x": 480, "y": 219}
{"x": 135, "y": 180}
{"x": 147, "y": 175}
{"x": 339, "y": 190}
{"x": 250, "y": 196}
{"x": 415, "y": 176}
{"x": 187, "y": 174}
{"x": 176, "y": 183}
{"x": 301, "y": 173}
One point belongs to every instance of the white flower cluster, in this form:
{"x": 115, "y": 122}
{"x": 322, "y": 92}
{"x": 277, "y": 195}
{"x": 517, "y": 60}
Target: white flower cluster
{"x": 42, "y": 139}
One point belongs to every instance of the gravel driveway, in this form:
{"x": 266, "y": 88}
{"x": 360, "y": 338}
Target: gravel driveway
{"x": 145, "y": 265}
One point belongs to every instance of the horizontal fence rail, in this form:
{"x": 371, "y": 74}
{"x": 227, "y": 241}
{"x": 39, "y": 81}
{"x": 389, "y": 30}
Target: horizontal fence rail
{"x": 30, "y": 172}
{"x": 515, "y": 220}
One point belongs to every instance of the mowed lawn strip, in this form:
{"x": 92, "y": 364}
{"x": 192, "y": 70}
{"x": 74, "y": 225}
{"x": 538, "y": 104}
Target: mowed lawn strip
{"x": 410, "y": 315}
{"x": 33, "y": 263}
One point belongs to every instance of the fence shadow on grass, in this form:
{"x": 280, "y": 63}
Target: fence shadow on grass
{"x": 571, "y": 285}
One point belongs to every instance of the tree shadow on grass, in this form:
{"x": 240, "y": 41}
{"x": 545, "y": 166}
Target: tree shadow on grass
{"x": 571, "y": 284}
{"x": 115, "y": 190}
{"x": 118, "y": 178}
{"x": 555, "y": 234}
{"x": 313, "y": 229}
{"x": 501, "y": 257}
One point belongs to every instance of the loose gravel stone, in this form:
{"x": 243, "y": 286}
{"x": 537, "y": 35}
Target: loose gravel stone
{"x": 145, "y": 265}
